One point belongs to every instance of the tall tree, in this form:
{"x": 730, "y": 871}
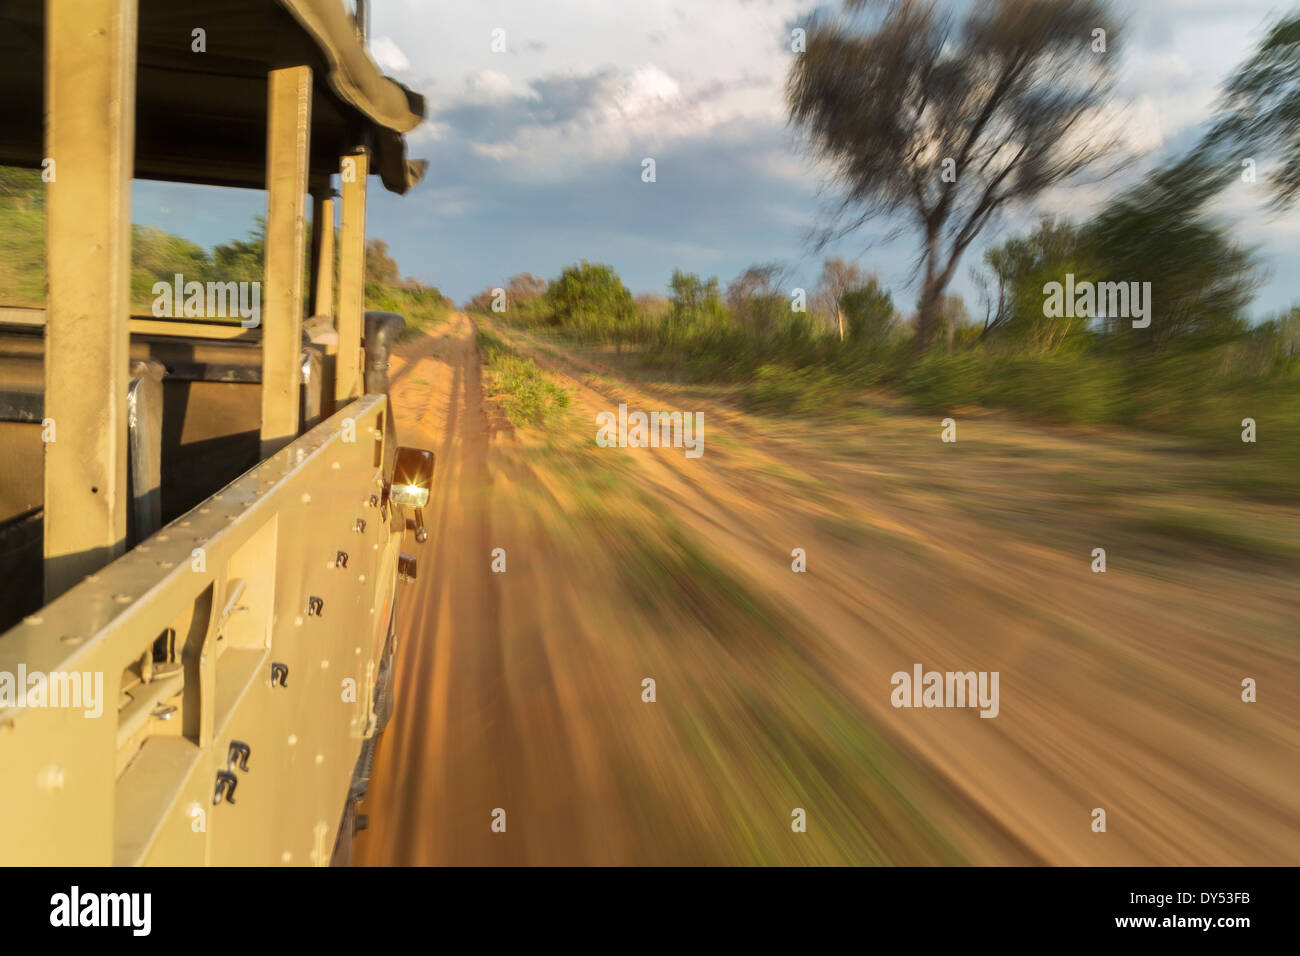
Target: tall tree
{"x": 837, "y": 278}
{"x": 868, "y": 311}
{"x": 590, "y": 298}
{"x": 1261, "y": 108}
{"x": 952, "y": 124}
{"x": 756, "y": 299}
{"x": 381, "y": 268}
{"x": 525, "y": 286}
{"x": 1163, "y": 230}
{"x": 1019, "y": 268}
{"x": 694, "y": 298}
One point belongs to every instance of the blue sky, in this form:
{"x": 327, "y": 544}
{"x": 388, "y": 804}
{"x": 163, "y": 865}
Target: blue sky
{"x": 536, "y": 152}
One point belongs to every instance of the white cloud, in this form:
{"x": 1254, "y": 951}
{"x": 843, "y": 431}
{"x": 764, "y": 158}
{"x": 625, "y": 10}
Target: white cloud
{"x": 645, "y": 91}
{"x": 388, "y": 55}
{"x": 656, "y": 71}
{"x": 430, "y": 131}
{"x": 1135, "y": 128}
{"x": 485, "y": 87}
{"x": 562, "y": 123}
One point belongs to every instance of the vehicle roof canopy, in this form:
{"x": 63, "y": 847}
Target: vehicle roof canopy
{"x": 201, "y": 117}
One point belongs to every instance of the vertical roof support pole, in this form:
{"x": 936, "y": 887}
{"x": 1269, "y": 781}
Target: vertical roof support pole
{"x": 322, "y": 241}
{"x": 354, "y": 171}
{"x": 288, "y": 134}
{"x": 90, "y": 137}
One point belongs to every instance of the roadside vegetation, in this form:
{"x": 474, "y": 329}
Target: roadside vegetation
{"x": 158, "y": 256}
{"x": 1198, "y": 370}
{"x": 1199, "y": 383}
{"x": 422, "y": 306}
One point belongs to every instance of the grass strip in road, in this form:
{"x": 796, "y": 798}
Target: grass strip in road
{"x": 526, "y": 395}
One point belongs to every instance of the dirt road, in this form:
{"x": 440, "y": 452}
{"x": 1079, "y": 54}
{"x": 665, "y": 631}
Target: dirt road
{"x": 521, "y": 694}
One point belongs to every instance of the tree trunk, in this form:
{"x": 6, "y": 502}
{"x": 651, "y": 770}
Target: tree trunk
{"x": 840, "y": 314}
{"x": 927, "y": 314}
{"x": 927, "y": 307}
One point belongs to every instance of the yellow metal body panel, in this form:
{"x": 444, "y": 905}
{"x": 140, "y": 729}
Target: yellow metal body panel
{"x": 322, "y": 235}
{"x": 288, "y": 131}
{"x": 90, "y": 59}
{"x": 355, "y": 170}
{"x": 230, "y": 585}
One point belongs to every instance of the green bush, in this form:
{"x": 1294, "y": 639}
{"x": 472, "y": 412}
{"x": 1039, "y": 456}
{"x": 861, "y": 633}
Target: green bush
{"x": 528, "y": 397}
{"x": 590, "y": 300}
{"x": 781, "y": 389}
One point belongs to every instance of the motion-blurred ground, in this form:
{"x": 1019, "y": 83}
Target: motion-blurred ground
{"x": 523, "y": 690}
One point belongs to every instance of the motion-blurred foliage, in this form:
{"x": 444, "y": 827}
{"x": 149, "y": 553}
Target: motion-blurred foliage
{"x": 159, "y": 256}
{"x": 1198, "y": 370}
{"x": 1192, "y": 377}
{"x": 526, "y": 395}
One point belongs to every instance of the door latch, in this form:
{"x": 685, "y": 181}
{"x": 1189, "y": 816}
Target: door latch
{"x": 225, "y": 789}
{"x": 238, "y": 755}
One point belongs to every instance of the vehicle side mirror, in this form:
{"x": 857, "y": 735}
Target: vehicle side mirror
{"x": 412, "y": 477}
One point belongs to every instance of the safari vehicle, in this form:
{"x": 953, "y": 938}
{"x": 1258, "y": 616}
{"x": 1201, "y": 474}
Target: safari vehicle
{"x": 200, "y": 519}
